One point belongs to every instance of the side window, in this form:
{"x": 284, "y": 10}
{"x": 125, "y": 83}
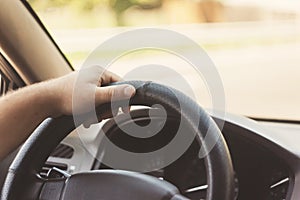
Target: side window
{"x": 9, "y": 79}
{"x": 6, "y": 84}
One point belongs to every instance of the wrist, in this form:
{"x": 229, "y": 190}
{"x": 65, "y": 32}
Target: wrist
{"x": 50, "y": 98}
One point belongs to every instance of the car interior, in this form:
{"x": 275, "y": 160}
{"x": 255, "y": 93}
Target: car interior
{"x": 256, "y": 157}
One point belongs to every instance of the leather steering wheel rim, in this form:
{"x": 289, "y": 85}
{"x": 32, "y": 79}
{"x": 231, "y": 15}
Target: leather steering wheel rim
{"x": 23, "y": 182}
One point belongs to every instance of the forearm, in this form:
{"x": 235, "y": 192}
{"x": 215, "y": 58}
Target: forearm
{"x": 21, "y": 112}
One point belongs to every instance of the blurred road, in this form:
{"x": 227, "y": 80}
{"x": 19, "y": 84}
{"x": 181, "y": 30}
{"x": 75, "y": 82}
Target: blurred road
{"x": 259, "y": 63}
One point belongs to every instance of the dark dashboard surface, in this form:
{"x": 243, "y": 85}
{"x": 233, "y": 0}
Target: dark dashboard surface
{"x": 264, "y": 157}
{"x": 260, "y": 172}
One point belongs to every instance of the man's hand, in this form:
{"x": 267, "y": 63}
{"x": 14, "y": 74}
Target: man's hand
{"x": 23, "y": 110}
{"x": 78, "y": 92}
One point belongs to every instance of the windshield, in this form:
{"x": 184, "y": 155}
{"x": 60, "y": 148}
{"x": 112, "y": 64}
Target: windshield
{"x": 254, "y": 44}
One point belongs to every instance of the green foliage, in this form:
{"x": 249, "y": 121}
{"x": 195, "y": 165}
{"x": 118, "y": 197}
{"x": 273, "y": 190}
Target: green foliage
{"x": 79, "y": 5}
{"x": 120, "y": 6}
{"x": 117, "y": 6}
{"x": 84, "y": 5}
{"x": 88, "y": 5}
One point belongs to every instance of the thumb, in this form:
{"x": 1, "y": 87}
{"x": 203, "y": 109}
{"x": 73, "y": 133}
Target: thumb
{"x": 113, "y": 93}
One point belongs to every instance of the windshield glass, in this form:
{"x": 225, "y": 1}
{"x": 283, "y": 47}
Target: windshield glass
{"x": 254, "y": 44}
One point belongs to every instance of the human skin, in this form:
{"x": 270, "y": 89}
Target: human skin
{"x": 23, "y": 110}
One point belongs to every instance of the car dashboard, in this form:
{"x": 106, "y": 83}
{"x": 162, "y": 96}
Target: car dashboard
{"x": 264, "y": 154}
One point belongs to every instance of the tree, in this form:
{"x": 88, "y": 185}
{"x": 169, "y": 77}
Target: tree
{"x": 120, "y": 6}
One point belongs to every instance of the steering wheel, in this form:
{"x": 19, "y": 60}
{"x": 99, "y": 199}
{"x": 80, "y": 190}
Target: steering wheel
{"x": 23, "y": 180}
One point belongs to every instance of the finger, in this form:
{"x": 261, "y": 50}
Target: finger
{"x": 113, "y": 93}
{"x": 87, "y": 123}
{"x": 113, "y": 77}
{"x": 109, "y": 77}
{"x": 126, "y": 109}
{"x": 102, "y": 75}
